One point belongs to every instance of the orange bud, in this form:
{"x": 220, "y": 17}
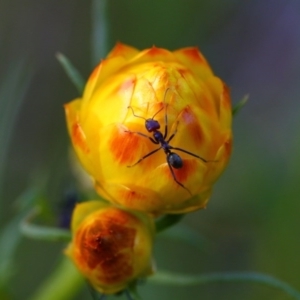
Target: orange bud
{"x": 110, "y": 247}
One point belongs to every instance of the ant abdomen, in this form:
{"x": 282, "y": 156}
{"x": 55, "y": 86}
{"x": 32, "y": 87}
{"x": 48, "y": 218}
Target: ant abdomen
{"x": 175, "y": 160}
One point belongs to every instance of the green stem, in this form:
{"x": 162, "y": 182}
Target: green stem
{"x": 170, "y": 278}
{"x": 63, "y": 284}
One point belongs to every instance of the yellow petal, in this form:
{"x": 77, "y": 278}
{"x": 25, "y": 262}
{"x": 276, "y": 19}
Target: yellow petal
{"x": 192, "y": 58}
{"x": 123, "y": 50}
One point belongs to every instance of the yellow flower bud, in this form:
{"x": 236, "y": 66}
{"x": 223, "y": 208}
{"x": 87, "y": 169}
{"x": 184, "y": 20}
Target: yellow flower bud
{"x": 107, "y": 127}
{"x": 110, "y": 247}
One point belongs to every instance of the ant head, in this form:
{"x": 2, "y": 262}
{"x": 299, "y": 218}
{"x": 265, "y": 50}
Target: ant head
{"x": 152, "y": 125}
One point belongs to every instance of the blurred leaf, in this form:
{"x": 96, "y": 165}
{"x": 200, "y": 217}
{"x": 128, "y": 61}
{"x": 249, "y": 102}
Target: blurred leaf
{"x": 95, "y": 294}
{"x": 63, "y": 283}
{"x": 12, "y": 94}
{"x": 40, "y": 232}
{"x": 131, "y": 292}
{"x": 177, "y": 23}
{"x": 282, "y": 228}
{"x": 240, "y": 105}
{"x": 100, "y": 30}
{"x": 72, "y": 72}
{"x": 28, "y": 198}
{"x": 171, "y": 278}
{"x": 10, "y": 238}
{"x": 187, "y": 235}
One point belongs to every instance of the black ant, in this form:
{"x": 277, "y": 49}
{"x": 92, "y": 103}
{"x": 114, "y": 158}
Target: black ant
{"x": 173, "y": 159}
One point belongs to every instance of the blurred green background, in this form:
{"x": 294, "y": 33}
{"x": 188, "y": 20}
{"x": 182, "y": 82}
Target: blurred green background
{"x": 252, "y": 222}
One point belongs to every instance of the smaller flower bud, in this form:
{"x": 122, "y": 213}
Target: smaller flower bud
{"x": 111, "y": 247}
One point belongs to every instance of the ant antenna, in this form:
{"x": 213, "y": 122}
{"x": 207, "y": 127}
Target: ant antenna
{"x": 157, "y": 113}
{"x": 135, "y": 114}
{"x": 166, "y": 93}
{"x": 143, "y": 117}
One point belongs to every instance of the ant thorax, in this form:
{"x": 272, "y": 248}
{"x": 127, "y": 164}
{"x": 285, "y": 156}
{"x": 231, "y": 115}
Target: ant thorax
{"x": 158, "y": 136}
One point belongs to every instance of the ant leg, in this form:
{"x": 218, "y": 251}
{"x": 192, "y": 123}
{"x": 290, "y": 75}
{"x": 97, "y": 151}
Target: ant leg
{"x": 144, "y": 135}
{"x": 192, "y": 154}
{"x": 137, "y": 132}
{"x": 175, "y": 179}
{"x": 166, "y": 114}
{"x": 171, "y": 137}
{"x": 147, "y": 155}
{"x": 166, "y": 123}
